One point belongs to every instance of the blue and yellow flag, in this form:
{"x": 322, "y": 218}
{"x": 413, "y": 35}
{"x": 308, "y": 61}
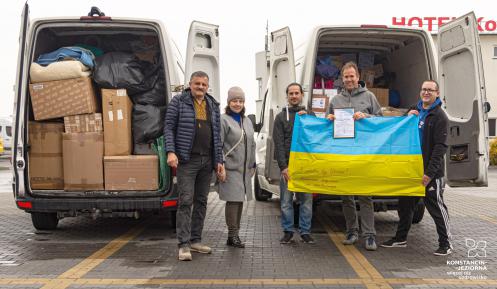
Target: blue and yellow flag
{"x": 384, "y": 158}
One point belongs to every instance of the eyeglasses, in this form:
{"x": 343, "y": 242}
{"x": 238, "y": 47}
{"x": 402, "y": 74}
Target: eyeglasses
{"x": 428, "y": 90}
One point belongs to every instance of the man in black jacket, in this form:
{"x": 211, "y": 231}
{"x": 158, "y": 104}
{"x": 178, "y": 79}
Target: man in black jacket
{"x": 433, "y": 136}
{"x": 282, "y": 137}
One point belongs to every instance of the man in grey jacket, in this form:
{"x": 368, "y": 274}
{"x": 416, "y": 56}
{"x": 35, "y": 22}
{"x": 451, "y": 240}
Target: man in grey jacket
{"x": 365, "y": 105}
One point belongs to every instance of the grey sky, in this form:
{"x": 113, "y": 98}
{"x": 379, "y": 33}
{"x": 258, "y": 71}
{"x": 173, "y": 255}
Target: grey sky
{"x": 242, "y": 26}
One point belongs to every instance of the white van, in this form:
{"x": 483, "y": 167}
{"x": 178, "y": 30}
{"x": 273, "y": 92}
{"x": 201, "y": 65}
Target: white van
{"x": 6, "y": 134}
{"x": 45, "y": 35}
{"x": 408, "y": 53}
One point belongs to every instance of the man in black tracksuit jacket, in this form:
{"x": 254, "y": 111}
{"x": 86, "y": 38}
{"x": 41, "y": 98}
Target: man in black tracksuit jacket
{"x": 432, "y": 126}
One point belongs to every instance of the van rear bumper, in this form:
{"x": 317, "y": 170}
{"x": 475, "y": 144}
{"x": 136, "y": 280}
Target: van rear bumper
{"x": 103, "y": 204}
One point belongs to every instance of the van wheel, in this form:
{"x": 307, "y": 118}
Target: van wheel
{"x": 44, "y": 221}
{"x": 260, "y": 194}
{"x": 419, "y": 212}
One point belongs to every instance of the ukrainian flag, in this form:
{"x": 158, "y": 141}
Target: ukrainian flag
{"x": 384, "y": 158}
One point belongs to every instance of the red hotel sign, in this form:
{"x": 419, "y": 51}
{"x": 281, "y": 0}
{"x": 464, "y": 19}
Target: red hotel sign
{"x": 432, "y": 22}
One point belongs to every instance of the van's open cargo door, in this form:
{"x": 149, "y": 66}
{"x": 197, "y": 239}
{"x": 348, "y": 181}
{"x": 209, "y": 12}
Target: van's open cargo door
{"x": 18, "y": 152}
{"x": 281, "y": 73}
{"x": 462, "y": 88}
{"x": 202, "y": 53}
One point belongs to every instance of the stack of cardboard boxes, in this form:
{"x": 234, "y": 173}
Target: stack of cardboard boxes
{"x": 70, "y": 156}
{"x": 124, "y": 171}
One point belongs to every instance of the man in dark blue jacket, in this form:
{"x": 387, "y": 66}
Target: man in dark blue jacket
{"x": 193, "y": 145}
{"x": 433, "y": 136}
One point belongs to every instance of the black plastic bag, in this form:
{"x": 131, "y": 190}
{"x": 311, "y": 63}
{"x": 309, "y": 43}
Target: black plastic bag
{"x": 125, "y": 70}
{"x": 148, "y": 122}
{"x": 156, "y": 96}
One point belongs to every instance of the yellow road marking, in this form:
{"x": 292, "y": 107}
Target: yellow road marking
{"x": 363, "y": 268}
{"x": 85, "y": 266}
{"x": 488, "y": 218}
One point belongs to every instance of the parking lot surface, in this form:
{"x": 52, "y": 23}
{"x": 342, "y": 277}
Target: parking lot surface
{"x": 142, "y": 253}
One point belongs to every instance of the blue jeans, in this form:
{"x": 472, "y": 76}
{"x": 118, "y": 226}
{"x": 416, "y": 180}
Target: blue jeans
{"x": 305, "y": 209}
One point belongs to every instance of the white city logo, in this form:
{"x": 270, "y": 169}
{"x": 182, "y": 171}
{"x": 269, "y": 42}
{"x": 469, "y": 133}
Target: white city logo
{"x": 476, "y": 248}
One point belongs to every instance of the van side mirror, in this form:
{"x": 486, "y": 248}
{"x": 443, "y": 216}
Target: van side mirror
{"x": 257, "y": 126}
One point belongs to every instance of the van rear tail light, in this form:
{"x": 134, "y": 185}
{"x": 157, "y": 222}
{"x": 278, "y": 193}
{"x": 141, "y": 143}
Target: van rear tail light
{"x": 24, "y": 205}
{"x": 170, "y": 203}
{"x": 373, "y": 26}
{"x": 95, "y": 18}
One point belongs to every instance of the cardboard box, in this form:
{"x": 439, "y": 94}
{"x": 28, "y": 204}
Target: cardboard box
{"x": 45, "y": 156}
{"x": 60, "y": 98}
{"x": 330, "y": 93}
{"x": 131, "y": 173}
{"x": 83, "y": 123}
{"x": 378, "y": 70}
{"x": 117, "y": 122}
{"x": 367, "y": 75}
{"x": 391, "y": 111}
{"x": 83, "y": 161}
{"x": 381, "y": 95}
{"x": 320, "y": 103}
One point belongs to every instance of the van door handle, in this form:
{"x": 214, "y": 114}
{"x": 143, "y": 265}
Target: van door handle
{"x": 20, "y": 164}
{"x": 486, "y": 107}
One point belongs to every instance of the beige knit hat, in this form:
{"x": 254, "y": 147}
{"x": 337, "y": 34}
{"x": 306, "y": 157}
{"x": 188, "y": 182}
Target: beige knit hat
{"x": 235, "y": 93}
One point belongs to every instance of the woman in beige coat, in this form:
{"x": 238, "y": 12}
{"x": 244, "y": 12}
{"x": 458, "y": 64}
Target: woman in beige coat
{"x": 235, "y": 186}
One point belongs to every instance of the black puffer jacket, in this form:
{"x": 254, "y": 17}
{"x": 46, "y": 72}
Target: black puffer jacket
{"x": 179, "y": 129}
{"x": 282, "y": 135}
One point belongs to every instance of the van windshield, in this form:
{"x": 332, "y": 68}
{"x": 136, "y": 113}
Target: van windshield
{"x": 8, "y": 130}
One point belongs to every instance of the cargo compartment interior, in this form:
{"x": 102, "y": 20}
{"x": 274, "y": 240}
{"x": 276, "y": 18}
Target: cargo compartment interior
{"x": 399, "y": 61}
{"x": 141, "y": 40}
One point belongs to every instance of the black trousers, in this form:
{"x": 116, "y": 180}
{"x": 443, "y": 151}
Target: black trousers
{"x": 436, "y": 207}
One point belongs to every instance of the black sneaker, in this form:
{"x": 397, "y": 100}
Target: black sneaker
{"x": 306, "y": 238}
{"x": 443, "y": 251}
{"x": 287, "y": 238}
{"x": 393, "y": 243}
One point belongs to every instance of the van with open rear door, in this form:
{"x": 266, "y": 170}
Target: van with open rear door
{"x": 403, "y": 58}
{"x": 114, "y": 34}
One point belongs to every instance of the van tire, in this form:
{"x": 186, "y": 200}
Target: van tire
{"x": 44, "y": 221}
{"x": 260, "y": 194}
{"x": 419, "y": 212}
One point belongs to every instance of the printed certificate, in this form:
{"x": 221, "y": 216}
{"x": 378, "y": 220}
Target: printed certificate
{"x": 344, "y": 124}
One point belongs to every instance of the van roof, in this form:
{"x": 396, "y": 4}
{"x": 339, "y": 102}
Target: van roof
{"x": 371, "y": 26}
{"x": 77, "y": 19}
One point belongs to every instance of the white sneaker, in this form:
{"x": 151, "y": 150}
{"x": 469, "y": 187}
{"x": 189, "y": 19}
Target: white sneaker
{"x": 184, "y": 254}
{"x": 200, "y": 248}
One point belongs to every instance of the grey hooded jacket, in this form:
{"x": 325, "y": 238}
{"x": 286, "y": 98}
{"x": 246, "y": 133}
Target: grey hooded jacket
{"x": 361, "y": 99}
